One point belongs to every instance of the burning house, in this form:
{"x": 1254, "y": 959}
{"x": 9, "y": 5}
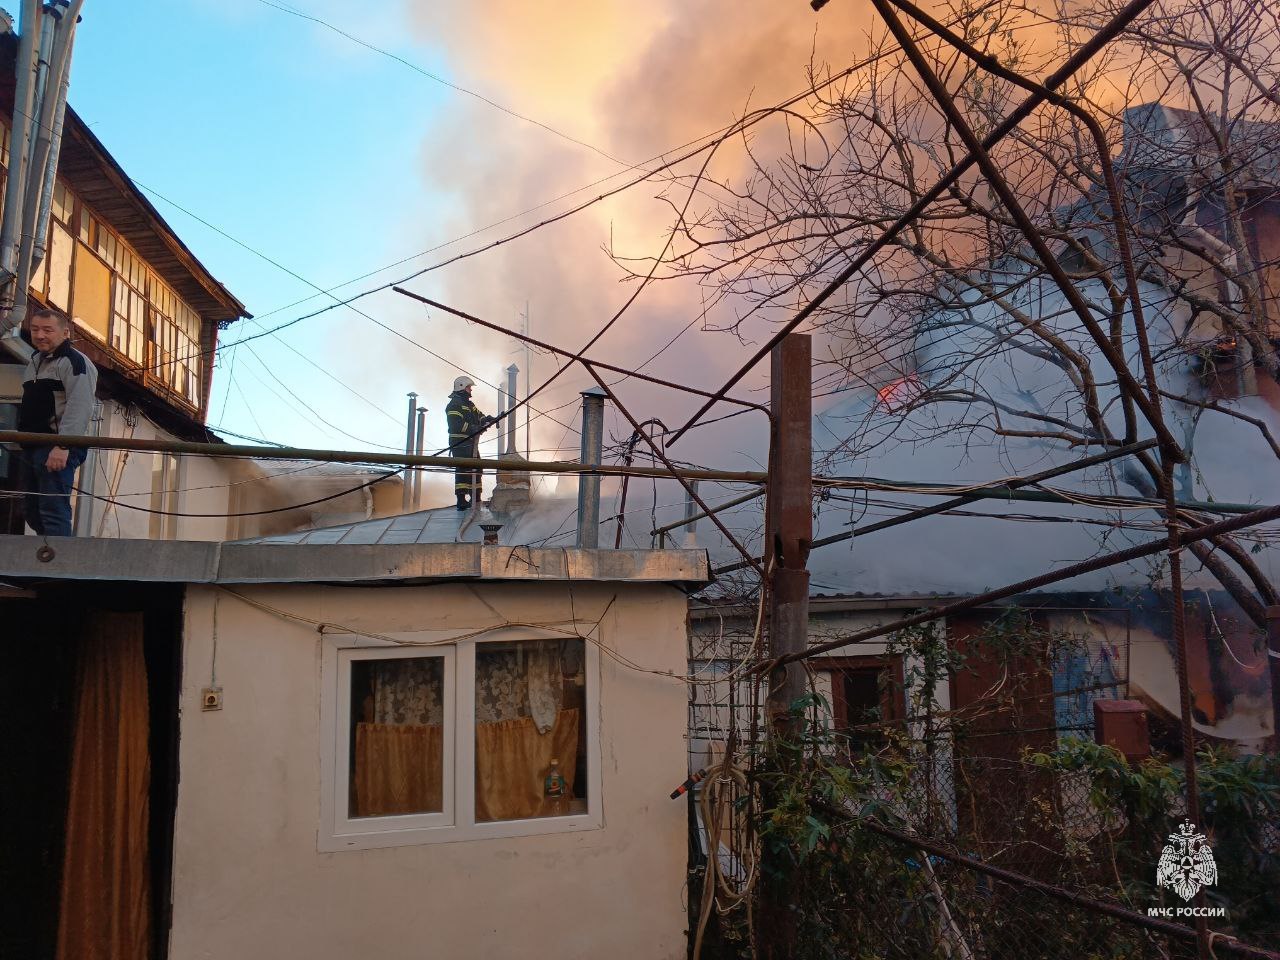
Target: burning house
{"x": 982, "y": 393}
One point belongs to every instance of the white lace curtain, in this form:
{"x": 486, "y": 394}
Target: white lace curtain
{"x": 512, "y": 681}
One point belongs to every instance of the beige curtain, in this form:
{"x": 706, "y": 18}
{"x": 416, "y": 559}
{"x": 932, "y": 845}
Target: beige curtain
{"x": 106, "y": 878}
{"x": 511, "y": 761}
{"x": 399, "y": 769}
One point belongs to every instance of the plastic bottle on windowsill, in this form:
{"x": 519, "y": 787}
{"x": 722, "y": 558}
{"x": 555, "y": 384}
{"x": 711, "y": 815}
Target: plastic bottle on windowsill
{"x": 554, "y": 791}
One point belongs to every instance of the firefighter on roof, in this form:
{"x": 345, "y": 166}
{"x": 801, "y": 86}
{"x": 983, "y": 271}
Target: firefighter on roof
{"x": 466, "y": 423}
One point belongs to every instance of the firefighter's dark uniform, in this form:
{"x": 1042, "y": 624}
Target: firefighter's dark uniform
{"x": 466, "y": 423}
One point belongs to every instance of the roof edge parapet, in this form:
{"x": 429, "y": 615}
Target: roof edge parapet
{"x": 176, "y": 561}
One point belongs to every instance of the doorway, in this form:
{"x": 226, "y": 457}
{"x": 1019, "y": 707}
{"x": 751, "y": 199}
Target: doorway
{"x": 88, "y": 710}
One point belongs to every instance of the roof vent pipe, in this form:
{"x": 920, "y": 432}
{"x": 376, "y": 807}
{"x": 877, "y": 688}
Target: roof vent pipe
{"x": 406, "y": 475}
{"x": 592, "y": 455}
{"x": 691, "y": 517}
{"x": 513, "y": 376}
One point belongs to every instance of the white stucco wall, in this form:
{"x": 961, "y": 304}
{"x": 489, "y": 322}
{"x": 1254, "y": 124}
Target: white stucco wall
{"x": 248, "y": 880}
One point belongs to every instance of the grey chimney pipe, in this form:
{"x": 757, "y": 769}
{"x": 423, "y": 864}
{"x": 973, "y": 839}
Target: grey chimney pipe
{"x": 513, "y": 378}
{"x": 592, "y": 455}
{"x": 407, "y": 476}
{"x": 691, "y": 511}
{"x": 417, "y": 448}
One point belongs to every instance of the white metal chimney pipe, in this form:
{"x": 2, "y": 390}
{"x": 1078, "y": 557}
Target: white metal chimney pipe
{"x": 513, "y": 382}
{"x": 502, "y": 408}
{"x": 406, "y": 477}
{"x": 592, "y": 455}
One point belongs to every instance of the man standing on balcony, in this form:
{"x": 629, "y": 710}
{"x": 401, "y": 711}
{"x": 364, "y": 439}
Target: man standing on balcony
{"x": 58, "y": 393}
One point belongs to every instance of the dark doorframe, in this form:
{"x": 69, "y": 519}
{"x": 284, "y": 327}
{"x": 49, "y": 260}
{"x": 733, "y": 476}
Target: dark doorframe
{"x": 37, "y": 710}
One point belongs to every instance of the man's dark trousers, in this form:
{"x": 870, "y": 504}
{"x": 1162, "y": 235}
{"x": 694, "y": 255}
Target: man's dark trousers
{"x": 47, "y": 508}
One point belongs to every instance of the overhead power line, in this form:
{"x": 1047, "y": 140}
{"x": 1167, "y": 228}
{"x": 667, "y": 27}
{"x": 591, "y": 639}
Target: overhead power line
{"x": 320, "y": 21}
{"x": 232, "y": 451}
{"x": 338, "y": 303}
{"x": 115, "y": 502}
{"x": 715, "y": 137}
{"x": 685, "y": 151}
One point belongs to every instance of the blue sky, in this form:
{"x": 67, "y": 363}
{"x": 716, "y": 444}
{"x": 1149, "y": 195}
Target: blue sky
{"x": 335, "y": 160}
{"x": 296, "y": 142}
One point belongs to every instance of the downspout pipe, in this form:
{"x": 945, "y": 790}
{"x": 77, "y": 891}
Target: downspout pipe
{"x": 19, "y": 151}
{"x": 32, "y": 167}
{"x": 40, "y": 242}
{"x": 592, "y": 455}
{"x": 41, "y": 239}
{"x": 63, "y": 31}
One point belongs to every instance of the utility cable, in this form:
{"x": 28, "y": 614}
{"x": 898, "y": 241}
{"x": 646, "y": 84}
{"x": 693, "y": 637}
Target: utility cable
{"x": 223, "y": 515}
{"x": 243, "y": 513}
{"x": 338, "y": 303}
{"x": 441, "y": 80}
{"x": 687, "y": 151}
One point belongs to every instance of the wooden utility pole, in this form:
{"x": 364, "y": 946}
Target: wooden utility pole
{"x": 788, "y": 537}
{"x": 789, "y": 515}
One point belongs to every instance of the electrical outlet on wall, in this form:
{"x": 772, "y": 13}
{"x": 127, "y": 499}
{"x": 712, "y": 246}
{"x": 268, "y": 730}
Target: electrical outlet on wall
{"x": 211, "y": 698}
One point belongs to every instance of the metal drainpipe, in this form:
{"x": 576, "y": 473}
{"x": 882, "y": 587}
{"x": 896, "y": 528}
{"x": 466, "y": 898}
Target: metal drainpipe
{"x": 55, "y": 55}
{"x": 406, "y": 477}
{"x": 63, "y": 83}
{"x": 513, "y": 383}
{"x": 19, "y": 150}
{"x": 417, "y": 473}
{"x": 592, "y": 455}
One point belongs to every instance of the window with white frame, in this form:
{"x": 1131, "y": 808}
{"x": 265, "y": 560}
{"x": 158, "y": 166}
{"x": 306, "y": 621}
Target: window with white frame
{"x": 438, "y": 741}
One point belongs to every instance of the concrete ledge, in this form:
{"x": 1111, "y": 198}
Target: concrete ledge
{"x": 142, "y": 561}
{"x": 173, "y": 561}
